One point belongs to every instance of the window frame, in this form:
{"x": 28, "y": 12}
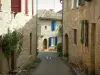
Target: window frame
{"x": 75, "y": 36}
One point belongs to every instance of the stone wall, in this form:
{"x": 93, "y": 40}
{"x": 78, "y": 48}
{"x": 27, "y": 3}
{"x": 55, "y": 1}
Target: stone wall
{"x": 72, "y": 20}
{"x": 46, "y": 32}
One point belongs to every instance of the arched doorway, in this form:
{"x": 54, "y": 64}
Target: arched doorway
{"x": 66, "y": 46}
{"x": 45, "y": 44}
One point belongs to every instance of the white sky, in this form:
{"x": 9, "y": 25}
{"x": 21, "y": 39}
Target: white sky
{"x": 49, "y": 4}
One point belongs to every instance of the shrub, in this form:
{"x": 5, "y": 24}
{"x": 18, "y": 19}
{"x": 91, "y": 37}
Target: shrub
{"x": 11, "y": 42}
{"x": 59, "y": 49}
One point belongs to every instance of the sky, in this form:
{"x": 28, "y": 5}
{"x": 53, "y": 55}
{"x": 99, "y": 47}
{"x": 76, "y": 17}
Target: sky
{"x": 49, "y": 4}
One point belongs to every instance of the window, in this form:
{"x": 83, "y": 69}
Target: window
{"x": 45, "y": 27}
{"x": 26, "y": 7}
{"x": 82, "y": 31}
{"x": 81, "y": 2}
{"x": 75, "y": 36}
{"x": 53, "y": 26}
{"x": 77, "y": 3}
{"x": 53, "y": 41}
{"x": 16, "y": 6}
{"x": 30, "y": 43}
{"x": 86, "y": 33}
{"x": 72, "y": 4}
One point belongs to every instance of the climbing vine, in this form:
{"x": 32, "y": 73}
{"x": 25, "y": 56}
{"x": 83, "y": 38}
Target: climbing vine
{"x": 60, "y": 31}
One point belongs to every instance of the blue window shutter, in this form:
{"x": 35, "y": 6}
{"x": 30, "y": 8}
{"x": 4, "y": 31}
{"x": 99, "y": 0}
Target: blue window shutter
{"x": 56, "y": 40}
{"x": 49, "y": 41}
{"x": 54, "y": 25}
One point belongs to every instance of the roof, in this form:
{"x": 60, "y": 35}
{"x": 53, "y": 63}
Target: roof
{"x": 49, "y": 14}
{"x": 60, "y": 11}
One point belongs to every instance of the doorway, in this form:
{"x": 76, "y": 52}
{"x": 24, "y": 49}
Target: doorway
{"x": 93, "y": 34}
{"x": 66, "y": 46}
{"x": 45, "y": 44}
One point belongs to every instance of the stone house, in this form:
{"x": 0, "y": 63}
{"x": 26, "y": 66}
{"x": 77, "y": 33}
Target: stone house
{"x": 19, "y": 15}
{"x": 48, "y": 26}
{"x": 81, "y": 34}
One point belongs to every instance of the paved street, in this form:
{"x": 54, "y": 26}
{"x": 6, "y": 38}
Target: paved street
{"x": 53, "y": 66}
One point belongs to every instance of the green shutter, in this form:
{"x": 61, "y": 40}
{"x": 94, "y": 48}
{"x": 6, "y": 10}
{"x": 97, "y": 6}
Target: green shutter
{"x": 86, "y": 32}
{"x": 82, "y": 31}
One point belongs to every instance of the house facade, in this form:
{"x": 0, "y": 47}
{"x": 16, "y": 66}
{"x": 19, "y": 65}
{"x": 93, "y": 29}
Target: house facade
{"x": 81, "y": 31}
{"x": 18, "y": 15}
{"x": 48, "y": 26}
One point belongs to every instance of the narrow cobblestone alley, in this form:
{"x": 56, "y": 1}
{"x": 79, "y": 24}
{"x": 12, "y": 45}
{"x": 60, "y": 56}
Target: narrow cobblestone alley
{"x": 53, "y": 66}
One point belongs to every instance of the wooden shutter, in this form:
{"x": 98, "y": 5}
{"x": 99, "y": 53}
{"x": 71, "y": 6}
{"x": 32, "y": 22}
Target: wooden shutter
{"x": 16, "y": 6}
{"x": 49, "y": 41}
{"x": 56, "y": 40}
{"x": 26, "y": 7}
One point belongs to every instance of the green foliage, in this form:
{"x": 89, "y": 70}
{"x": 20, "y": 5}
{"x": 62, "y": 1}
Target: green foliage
{"x": 60, "y": 31}
{"x": 6, "y": 44}
{"x": 11, "y": 42}
{"x": 59, "y": 49}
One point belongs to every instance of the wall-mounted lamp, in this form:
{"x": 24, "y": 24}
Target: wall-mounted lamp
{"x": 61, "y": 1}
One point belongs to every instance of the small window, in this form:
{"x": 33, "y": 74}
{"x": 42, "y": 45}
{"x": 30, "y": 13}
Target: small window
{"x": 30, "y": 43}
{"x": 45, "y": 27}
{"x": 75, "y": 36}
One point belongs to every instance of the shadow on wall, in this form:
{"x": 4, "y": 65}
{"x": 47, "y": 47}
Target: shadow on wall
{"x": 23, "y": 58}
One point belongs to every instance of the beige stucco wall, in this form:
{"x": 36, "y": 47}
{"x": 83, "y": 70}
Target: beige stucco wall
{"x": 46, "y": 32}
{"x": 72, "y": 20}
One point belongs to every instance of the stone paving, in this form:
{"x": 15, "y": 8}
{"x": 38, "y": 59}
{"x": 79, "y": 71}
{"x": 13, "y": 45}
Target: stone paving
{"x": 51, "y": 65}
